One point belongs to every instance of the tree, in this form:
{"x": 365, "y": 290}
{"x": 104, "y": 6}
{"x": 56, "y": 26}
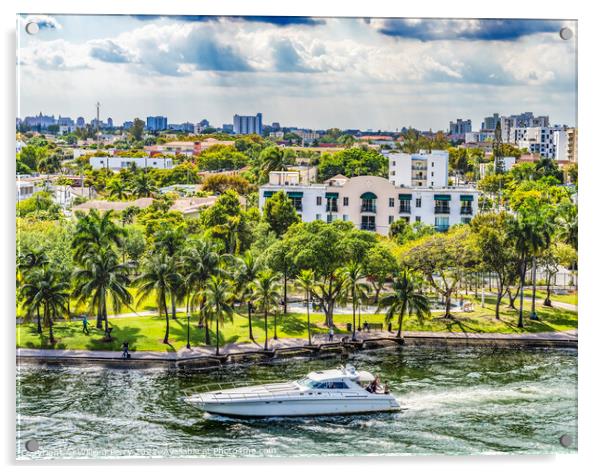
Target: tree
{"x": 379, "y": 265}
{"x": 45, "y": 290}
{"x": 248, "y": 268}
{"x": 143, "y": 185}
{"x": 353, "y": 273}
{"x": 272, "y": 159}
{"x": 219, "y": 183}
{"x": 266, "y": 294}
{"x": 406, "y": 298}
{"x": 532, "y": 231}
{"x": 219, "y": 303}
{"x": 159, "y": 276}
{"x": 94, "y": 232}
{"x": 353, "y": 162}
{"x": 117, "y": 189}
{"x": 550, "y": 260}
{"x": 137, "y": 129}
{"x": 496, "y": 246}
{"x": 567, "y": 223}
{"x": 306, "y": 281}
{"x": 280, "y": 213}
{"x": 170, "y": 239}
{"x": 102, "y": 280}
{"x": 442, "y": 258}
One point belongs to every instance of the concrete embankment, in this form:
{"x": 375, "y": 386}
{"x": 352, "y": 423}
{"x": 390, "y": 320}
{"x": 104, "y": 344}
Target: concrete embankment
{"x": 205, "y": 357}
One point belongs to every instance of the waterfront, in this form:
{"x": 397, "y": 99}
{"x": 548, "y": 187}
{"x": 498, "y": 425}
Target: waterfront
{"x": 456, "y": 401}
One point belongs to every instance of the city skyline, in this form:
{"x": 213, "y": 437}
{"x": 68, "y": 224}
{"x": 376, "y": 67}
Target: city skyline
{"x": 313, "y": 73}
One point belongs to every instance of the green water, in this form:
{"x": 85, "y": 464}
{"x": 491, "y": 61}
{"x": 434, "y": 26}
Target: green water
{"x": 456, "y": 401}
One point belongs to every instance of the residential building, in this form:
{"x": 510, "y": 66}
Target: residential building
{"x": 490, "y": 123}
{"x": 489, "y": 168}
{"x": 246, "y": 124}
{"x": 420, "y": 170}
{"x": 128, "y": 124}
{"x": 373, "y": 203}
{"x": 479, "y": 137}
{"x": 40, "y": 121}
{"x": 460, "y": 128}
{"x": 157, "y": 123}
{"x": 227, "y": 128}
{"x": 120, "y": 162}
{"x": 565, "y": 145}
{"x": 538, "y": 140}
{"x": 279, "y": 135}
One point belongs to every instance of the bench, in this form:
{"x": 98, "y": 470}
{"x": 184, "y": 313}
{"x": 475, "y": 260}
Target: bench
{"x": 373, "y": 326}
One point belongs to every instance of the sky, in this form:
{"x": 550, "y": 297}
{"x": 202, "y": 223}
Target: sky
{"x": 317, "y": 73}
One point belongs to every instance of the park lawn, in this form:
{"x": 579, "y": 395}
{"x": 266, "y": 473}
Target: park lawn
{"x": 146, "y": 332}
{"x": 571, "y": 298}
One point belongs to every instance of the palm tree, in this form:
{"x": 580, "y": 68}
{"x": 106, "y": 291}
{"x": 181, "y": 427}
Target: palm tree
{"x": 266, "y": 293}
{"x": 532, "y": 231}
{"x": 272, "y": 159}
{"x": 159, "y": 276}
{"x": 248, "y": 269}
{"x": 219, "y": 303}
{"x": 352, "y": 274}
{"x": 406, "y": 298}
{"x": 143, "y": 185}
{"x": 101, "y": 280}
{"x": 306, "y": 281}
{"x": 568, "y": 224}
{"x": 117, "y": 189}
{"x": 199, "y": 262}
{"x": 44, "y": 291}
{"x": 170, "y": 242}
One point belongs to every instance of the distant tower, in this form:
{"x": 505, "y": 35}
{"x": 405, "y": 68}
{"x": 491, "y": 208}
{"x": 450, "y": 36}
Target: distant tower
{"x": 497, "y": 149}
{"x": 98, "y": 124}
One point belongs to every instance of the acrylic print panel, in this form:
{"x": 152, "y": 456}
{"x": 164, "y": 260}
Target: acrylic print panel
{"x": 290, "y": 236}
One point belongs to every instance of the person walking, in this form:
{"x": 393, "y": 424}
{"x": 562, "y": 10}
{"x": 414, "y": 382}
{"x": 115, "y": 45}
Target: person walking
{"x": 85, "y": 326}
{"x": 126, "y": 350}
{"x": 330, "y": 334}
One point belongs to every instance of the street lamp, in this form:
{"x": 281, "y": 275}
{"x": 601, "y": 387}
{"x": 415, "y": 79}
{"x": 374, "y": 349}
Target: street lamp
{"x": 188, "y": 333}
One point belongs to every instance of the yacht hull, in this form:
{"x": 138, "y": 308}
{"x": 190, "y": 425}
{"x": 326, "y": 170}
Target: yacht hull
{"x": 291, "y": 408}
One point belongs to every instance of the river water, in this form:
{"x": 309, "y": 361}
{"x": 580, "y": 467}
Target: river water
{"x": 456, "y": 401}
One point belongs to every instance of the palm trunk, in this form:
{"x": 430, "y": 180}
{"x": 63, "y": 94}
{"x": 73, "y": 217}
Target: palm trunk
{"x": 548, "y": 301}
{"x": 217, "y": 334}
{"x": 534, "y": 282}
{"x": 173, "y": 306}
{"x": 250, "y": 323}
{"x": 166, "y": 338}
{"x": 99, "y": 317}
{"x": 308, "y": 319}
{"x": 39, "y": 321}
{"x": 522, "y": 295}
{"x": 275, "y": 325}
{"x": 265, "y": 324}
{"x": 401, "y": 313}
{"x": 353, "y": 310}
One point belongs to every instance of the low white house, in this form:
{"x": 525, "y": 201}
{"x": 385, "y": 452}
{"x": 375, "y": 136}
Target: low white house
{"x": 119, "y": 162}
{"x": 374, "y": 203}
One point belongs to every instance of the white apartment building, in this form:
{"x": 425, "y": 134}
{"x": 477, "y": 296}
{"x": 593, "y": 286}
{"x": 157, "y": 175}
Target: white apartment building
{"x": 489, "y": 168}
{"x": 120, "y": 162}
{"x": 420, "y": 170}
{"x": 373, "y": 203}
{"x": 565, "y": 145}
{"x": 535, "y": 139}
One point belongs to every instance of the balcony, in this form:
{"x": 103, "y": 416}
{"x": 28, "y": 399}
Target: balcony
{"x": 405, "y": 209}
{"x": 441, "y": 209}
{"x": 368, "y": 208}
{"x": 332, "y": 207}
{"x": 466, "y": 210}
{"x": 442, "y": 228}
{"x": 368, "y": 226}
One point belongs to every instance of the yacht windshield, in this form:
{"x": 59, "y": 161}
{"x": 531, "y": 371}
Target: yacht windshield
{"x": 307, "y": 382}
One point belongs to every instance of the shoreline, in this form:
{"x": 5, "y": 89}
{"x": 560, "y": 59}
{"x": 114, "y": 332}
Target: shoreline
{"x": 205, "y": 357}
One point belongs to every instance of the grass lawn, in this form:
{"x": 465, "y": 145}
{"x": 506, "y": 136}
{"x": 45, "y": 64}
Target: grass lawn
{"x": 571, "y": 298}
{"x": 146, "y": 332}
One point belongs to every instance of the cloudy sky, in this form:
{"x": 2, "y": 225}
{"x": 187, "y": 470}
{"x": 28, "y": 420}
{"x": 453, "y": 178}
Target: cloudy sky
{"x": 308, "y": 72}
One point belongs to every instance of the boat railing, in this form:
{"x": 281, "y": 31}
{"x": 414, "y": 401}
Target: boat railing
{"x": 218, "y": 386}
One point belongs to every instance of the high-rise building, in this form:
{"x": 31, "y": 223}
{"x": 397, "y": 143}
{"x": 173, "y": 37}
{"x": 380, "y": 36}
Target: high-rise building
{"x": 460, "y": 127}
{"x": 110, "y": 122}
{"x": 157, "y": 123}
{"x": 565, "y": 145}
{"x": 246, "y": 124}
{"x": 489, "y": 123}
{"x": 80, "y": 122}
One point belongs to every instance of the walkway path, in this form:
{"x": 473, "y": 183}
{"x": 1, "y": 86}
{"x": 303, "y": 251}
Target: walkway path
{"x": 208, "y": 352}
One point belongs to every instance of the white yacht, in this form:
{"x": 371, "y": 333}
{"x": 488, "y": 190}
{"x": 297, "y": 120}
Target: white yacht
{"x": 328, "y": 392}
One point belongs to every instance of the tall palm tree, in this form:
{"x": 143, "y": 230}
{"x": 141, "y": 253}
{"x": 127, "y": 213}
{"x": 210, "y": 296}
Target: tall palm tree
{"x": 306, "y": 281}
{"x": 266, "y": 293}
{"x": 248, "y": 268}
{"x": 406, "y": 298}
{"x": 199, "y": 262}
{"x": 103, "y": 280}
{"x": 568, "y": 224}
{"x": 45, "y": 291}
{"x": 353, "y": 273}
{"x": 143, "y": 185}
{"x": 170, "y": 241}
{"x": 159, "y": 276}
{"x": 532, "y": 230}
{"x": 219, "y": 303}
{"x": 117, "y": 189}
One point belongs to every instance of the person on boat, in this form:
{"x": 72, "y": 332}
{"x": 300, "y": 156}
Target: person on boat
{"x": 126, "y": 350}
{"x": 386, "y": 388}
{"x": 85, "y": 326}
{"x": 374, "y": 385}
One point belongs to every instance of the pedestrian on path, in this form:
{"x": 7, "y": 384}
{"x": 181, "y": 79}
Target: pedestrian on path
{"x": 330, "y": 334}
{"x": 85, "y": 326}
{"x": 126, "y": 350}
